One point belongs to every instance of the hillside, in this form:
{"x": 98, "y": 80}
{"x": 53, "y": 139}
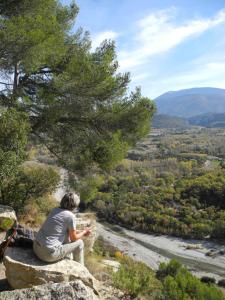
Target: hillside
{"x": 191, "y": 102}
{"x": 208, "y": 120}
{"x": 165, "y": 121}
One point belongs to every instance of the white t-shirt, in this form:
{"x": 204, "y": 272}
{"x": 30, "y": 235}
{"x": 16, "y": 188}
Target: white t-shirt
{"x": 55, "y": 230}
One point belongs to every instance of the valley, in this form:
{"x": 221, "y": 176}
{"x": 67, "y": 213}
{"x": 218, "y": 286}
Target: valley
{"x": 172, "y": 183}
{"x": 153, "y": 250}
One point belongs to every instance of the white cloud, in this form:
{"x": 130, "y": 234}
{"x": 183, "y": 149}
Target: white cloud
{"x": 105, "y": 35}
{"x": 158, "y": 33}
{"x": 202, "y": 74}
{"x": 206, "y": 72}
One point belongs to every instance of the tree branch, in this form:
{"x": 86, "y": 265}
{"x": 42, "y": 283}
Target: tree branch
{"x": 6, "y": 83}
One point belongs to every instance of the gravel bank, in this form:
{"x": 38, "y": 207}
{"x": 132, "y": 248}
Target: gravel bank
{"x": 153, "y": 249}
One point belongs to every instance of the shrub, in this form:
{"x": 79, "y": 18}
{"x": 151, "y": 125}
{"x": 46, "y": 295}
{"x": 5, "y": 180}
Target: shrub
{"x": 31, "y": 215}
{"x": 181, "y": 284}
{"x": 221, "y": 283}
{"x": 14, "y": 129}
{"x": 208, "y": 280}
{"x": 104, "y": 248}
{"x": 32, "y": 183}
{"x": 219, "y": 229}
{"x": 34, "y": 213}
{"x": 136, "y": 278}
{"x": 88, "y": 188}
{"x": 118, "y": 254}
{"x": 171, "y": 269}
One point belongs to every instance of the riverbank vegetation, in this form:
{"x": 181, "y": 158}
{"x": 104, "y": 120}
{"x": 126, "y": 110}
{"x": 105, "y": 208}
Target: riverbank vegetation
{"x": 177, "y": 192}
{"x": 137, "y": 279}
{"x": 171, "y": 281}
{"x": 178, "y": 283}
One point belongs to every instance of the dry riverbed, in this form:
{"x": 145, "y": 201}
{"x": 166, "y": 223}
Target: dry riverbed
{"x": 152, "y": 250}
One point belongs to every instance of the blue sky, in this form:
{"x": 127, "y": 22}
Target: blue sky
{"x": 165, "y": 45}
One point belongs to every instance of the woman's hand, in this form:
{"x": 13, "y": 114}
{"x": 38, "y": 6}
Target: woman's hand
{"x": 75, "y": 235}
{"x": 87, "y": 231}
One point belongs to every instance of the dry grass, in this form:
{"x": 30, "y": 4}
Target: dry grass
{"x": 96, "y": 267}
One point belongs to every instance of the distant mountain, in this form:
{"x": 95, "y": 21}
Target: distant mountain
{"x": 165, "y": 121}
{"x": 208, "y": 120}
{"x": 191, "y": 102}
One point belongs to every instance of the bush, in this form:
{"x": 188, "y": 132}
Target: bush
{"x": 168, "y": 269}
{"x": 209, "y": 280}
{"x": 219, "y": 229}
{"x": 14, "y": 129}
{"x": 181, "y": 284}
{"x": 136, "y": 278}
{"x": 34, "y": 213}
{"x": 221, "y": 283}
{"x": 104, "y": 248}
{"x": 33, "y": 183}
{"x": 88, "y": 188}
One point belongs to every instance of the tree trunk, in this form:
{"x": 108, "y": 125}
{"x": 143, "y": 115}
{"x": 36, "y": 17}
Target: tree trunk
{"x": 2, "y": 198}
{"x": 16, "y": 77}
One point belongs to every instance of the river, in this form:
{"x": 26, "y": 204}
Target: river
{"x": 153, "y": 250}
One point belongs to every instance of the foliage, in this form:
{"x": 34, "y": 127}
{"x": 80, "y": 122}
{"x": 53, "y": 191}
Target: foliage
{"x": 88, "y": 188}
{"x": 13, "y": 139}
{"x": 208, "y": 188}
{"x": 166, "y": 121}
{"x": 221, "y": 283}
{"x": 136, "y": 278}
{"x": 172, "y": 281}
{"x": 207, "y": 279}
{"x": 169, "y": 269}
{"x": 197, "y": 144}
{"x": 109, "y": 153}
{"x": 209, "y": 120}
{"x": 166, "y": 195}
{"x": 156, "y": 201}
{"x": 32, "y": 184}
{"x": 34, "y": 212}
{"x": 133, "y": 277}
{"x": 77, "y": 103}
{"x": 104, "y": 248}
{"x": 178, "y": 284}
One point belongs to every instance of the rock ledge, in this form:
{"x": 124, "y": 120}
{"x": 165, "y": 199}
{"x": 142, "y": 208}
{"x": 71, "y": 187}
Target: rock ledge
{"x": 25, "y": 270}
{"x": 74, "y": 290}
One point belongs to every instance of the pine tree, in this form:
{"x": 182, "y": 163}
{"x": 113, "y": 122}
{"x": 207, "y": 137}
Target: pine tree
{"x": 76, "y": 100}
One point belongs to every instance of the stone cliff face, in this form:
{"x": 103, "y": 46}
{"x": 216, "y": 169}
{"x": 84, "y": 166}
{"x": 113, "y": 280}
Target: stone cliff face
{"x": 25, "y": 270}
{"x": 63, "y": 280}
{"x": 75, "y": 290}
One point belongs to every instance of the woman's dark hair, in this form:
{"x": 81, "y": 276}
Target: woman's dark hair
{"x": 69, "y": 201}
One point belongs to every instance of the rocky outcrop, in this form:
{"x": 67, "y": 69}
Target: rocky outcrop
{"x": 7, "y": 217}
{"x": 75, "y": 290}
{"x": 113, "y": 264}
{"x": 25, "y": 270}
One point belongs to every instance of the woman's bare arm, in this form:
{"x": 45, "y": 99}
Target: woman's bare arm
{"x": 76, "y": 235}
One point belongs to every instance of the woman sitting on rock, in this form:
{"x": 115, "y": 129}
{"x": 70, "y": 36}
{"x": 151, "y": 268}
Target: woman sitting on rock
{"x": 58, "y": 237}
